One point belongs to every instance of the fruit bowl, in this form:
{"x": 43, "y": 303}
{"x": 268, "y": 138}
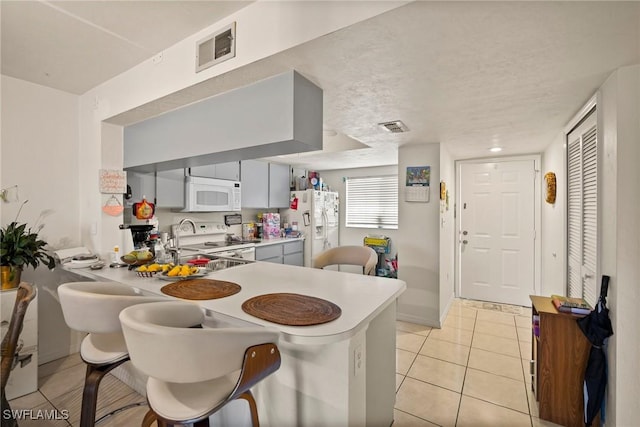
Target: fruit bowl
{"x": 150, "y": 270}
{"x": 146, "y": 273}
{"x": 138, "y": 262}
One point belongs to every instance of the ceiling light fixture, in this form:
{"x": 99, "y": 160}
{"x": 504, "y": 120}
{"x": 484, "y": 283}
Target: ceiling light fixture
{"x": 495, "y": 149}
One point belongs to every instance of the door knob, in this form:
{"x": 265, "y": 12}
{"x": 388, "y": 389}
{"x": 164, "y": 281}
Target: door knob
{"x": 465, "y": 232}
{"x": 465, "y": 242}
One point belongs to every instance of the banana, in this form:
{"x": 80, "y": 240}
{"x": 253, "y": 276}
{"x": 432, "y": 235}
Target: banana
{"x": 174, "y": 271}
{"x": 154, "y": 267}
{"x": 185, "y": 270}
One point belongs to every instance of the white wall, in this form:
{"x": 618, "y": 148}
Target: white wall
{"x": 447, "y": 231}
{"x": 418, "y": 240}
{"x": 40, "y": 154}
{"x": 619, "y": 104}
{"x": 553, "y": 233}
{"x": 355, "y": 236}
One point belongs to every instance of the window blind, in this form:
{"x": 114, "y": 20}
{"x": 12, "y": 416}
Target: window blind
{"x": 372, "y": 202}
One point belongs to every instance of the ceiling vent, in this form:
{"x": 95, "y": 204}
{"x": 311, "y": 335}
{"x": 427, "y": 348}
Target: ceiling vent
{"x": 395, "y": 126}
{"x": 216, "y": 48}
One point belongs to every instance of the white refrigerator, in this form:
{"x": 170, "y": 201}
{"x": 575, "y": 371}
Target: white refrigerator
{"x": 318, "y": 217}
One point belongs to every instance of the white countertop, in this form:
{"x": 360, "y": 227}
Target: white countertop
{"x": 359, "y": 297}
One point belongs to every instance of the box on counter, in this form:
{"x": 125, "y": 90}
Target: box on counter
{"x": 270, "y": 225}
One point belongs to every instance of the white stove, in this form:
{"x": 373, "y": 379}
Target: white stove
{"x": 209, "y": 238}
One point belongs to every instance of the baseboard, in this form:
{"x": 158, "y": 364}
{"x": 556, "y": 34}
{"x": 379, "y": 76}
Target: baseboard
{"x": 418, "y": 320}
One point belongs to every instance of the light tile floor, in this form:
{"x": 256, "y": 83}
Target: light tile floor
{"x": 472, "y": 372}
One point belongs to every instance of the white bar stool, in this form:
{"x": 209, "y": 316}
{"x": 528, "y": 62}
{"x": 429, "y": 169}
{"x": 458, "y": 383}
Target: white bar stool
{"x": 193, "y": 371}
{"x": 93, "y": 307}
{"x": 349, "y": 255}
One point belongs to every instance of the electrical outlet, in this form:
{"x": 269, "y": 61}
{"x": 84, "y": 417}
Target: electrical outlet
{"x": 358, "y": 361}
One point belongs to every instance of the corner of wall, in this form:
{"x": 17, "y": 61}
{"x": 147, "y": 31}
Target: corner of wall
{"x": 419, "y": 240}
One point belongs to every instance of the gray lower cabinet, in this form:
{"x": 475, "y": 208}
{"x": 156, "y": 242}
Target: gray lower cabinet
{"x": 291, "y": 253}
{"x": 270, "y": 253}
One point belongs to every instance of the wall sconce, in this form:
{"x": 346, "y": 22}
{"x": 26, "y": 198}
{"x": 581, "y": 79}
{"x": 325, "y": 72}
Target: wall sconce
{"x": 550, "y": 181}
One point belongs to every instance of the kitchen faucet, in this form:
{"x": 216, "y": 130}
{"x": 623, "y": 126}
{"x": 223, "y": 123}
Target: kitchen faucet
{"x": 175, "y": 230}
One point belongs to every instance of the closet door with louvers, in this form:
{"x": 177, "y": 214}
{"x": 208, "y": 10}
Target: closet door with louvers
{"x": 582, "y": 210}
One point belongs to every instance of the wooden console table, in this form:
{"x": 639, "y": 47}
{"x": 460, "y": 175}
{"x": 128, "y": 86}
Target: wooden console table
{"x": 559, "y": 355}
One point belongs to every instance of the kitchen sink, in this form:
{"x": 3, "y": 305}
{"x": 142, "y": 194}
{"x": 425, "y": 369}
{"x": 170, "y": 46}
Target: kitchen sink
{"x": 186, "y": 258}
{"x": 215, "y": 262}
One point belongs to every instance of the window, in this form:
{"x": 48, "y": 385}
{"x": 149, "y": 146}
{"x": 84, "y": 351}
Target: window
{"x": 582, "y": 213}
{"x": 372, "y": 202}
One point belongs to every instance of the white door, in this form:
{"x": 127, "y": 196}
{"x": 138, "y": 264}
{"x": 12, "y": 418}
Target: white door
{"x": 497, "y": 231}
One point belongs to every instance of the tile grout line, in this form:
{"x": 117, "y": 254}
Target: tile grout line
{"x": 466, "y": 368}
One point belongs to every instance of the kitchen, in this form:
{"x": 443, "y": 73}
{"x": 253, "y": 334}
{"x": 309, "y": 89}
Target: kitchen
{"x": 72, "y": 186}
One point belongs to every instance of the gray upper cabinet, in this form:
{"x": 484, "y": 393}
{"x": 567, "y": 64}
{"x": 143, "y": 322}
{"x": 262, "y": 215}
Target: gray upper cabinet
{"x": 142, "y": 184}
{"x": 278, "y": 115}
{"x": 278, "y": 186}
{"x": 264, "y": 185}
{"x": 228, "y": 170}
{"x": 170, "y": 189}
{"x": 255, "y": 184}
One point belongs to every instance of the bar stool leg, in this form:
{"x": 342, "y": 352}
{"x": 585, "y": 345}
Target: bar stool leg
{"x": 149, "y": 419}
{"x": 90, "y": 392}
{"x": 252, "y": 407}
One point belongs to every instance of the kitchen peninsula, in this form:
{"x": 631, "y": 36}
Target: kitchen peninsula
{"x": 341, "y": 373}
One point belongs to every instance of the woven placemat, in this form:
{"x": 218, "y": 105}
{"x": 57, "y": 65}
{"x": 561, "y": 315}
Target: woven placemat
{"x": 292, "y": 309}
{"x": 201, "y": 289}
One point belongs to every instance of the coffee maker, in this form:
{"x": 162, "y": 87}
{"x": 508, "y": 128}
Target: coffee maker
{"x": 141, "y": 235}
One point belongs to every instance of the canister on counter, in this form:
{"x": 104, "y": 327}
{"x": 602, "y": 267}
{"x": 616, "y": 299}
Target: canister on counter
{"x": 248, "y": 230}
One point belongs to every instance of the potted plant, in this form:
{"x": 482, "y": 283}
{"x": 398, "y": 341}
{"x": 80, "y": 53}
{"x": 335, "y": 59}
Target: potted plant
{"x": 20, "y": 247}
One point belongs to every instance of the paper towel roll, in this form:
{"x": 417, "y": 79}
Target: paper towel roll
{"x": 127, "y": 242}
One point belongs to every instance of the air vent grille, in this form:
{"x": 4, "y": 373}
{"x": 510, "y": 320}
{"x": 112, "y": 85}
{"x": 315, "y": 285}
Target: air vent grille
{"x": 216, "y": 48}
{"x": 395, "y": 126}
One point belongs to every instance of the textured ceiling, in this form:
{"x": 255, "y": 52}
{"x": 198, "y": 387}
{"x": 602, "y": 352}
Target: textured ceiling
{"x": 470, "y": 75}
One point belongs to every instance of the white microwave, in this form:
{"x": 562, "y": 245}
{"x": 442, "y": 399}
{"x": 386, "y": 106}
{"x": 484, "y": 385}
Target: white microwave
{"x": 211, "y": 195}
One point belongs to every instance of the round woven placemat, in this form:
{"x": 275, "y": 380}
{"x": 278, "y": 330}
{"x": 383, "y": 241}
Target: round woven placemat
{"x": 200, "y": 289}
{"x": 292, "y": 309}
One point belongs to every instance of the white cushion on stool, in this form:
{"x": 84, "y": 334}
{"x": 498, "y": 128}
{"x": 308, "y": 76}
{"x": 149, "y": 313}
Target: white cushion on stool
{"x": 99, "y": 349}
{"x": 188, "y": 401}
